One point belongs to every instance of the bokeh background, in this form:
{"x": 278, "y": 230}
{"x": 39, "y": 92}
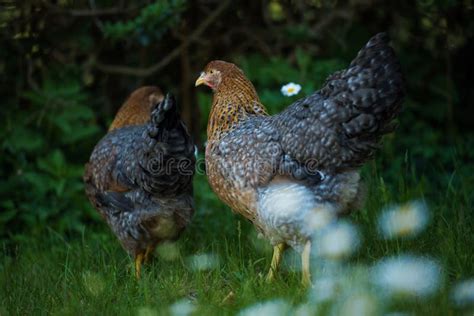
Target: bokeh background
{"x": 66, "y": 67}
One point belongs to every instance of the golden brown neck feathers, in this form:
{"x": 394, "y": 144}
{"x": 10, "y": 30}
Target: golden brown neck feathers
{"x": 234, "y": 100}
{"x": 137, "y": 109}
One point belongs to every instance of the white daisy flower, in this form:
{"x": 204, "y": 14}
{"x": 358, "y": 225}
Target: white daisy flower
{"x": 407, "y": 275}
{"x": 321, "y": 218}
{"x": 463, "y": 293}
{"x": 406, "y": 220}
{"x": 201, "y": 262}
{"x": 290, "y": 89}
{"x": 305, "y": 309}
{"x": 276, "y": 307}
{"x": 338, "y": 241}
{"x": 325, "y": 289}
{"x": 361, "y": 304}
{"x": 182, "y": 307}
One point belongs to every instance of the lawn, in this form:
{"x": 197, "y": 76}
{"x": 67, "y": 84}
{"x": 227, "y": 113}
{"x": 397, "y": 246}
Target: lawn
{"x": 217, "y": 267}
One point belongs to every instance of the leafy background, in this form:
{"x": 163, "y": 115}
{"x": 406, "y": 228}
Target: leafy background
{"x": 66, "y": 66}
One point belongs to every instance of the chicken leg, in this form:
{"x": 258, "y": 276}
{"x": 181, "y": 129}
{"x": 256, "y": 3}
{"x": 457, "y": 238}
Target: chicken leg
{"x": 143, "y": 257}
{"x": 276, "y": 259}
{"x": 305, "y": 264}
{"x": 138, "y": 264}
{"x": 149, "y": 253}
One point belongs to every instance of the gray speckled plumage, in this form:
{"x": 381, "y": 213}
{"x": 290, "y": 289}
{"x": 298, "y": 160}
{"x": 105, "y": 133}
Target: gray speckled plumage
{"x": 345, "y": 120}
{"x": 277, "y": 170}
{"x": 139, "y": 178}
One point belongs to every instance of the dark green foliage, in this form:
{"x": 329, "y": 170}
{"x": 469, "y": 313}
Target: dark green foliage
{"x": 44, "y": 148}
{"x": 153, "y": 21}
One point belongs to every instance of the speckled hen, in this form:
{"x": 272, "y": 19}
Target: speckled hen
{"x": 280, "y": 171}
{"x": 139, "y": 176}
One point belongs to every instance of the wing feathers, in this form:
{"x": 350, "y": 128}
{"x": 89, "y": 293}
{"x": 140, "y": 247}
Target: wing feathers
{"x": 341, "y": 124}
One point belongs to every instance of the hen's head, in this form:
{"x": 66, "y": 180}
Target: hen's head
{"x": 234, "y": 96}
{"x": 217, "y": 73}
{"x": 137, "y": 108}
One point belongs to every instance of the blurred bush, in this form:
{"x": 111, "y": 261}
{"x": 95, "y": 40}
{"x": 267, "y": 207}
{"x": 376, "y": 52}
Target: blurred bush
{"x": 153, "y": 21}
{"x": 44, "y": 148}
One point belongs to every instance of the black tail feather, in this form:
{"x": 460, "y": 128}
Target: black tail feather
{"x": 164, "y": 117}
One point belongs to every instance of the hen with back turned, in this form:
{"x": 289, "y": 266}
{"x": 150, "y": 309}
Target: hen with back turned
{"x": 280, "y": 171}
{"x": 139, "y": 176}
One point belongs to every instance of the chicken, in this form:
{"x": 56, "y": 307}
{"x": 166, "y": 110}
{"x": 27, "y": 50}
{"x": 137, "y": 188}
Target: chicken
{"x": 281, "y": 171}
{"x": 139, "y": 177}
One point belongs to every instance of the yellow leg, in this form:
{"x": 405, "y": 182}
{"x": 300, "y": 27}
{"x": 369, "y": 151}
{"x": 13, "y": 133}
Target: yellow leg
{"x": 138, "y": 265}
{"x": 276, "y": 259}
{"x": 305, "y": 260}
{"x": 148, "y": 253}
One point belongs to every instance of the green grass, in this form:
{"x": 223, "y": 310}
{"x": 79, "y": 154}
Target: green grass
{"x": 91, "y": 274}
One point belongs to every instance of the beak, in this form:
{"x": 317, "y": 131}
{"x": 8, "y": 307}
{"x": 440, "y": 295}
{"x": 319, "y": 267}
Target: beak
{"x": 201, "y": 80}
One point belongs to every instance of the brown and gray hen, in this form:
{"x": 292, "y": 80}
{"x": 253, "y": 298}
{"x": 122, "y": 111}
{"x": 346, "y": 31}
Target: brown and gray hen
{"x": 279, "y": 171}
{"x": 139, "y": 176}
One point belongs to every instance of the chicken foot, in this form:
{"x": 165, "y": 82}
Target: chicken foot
{"x": 276, "y": 259}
